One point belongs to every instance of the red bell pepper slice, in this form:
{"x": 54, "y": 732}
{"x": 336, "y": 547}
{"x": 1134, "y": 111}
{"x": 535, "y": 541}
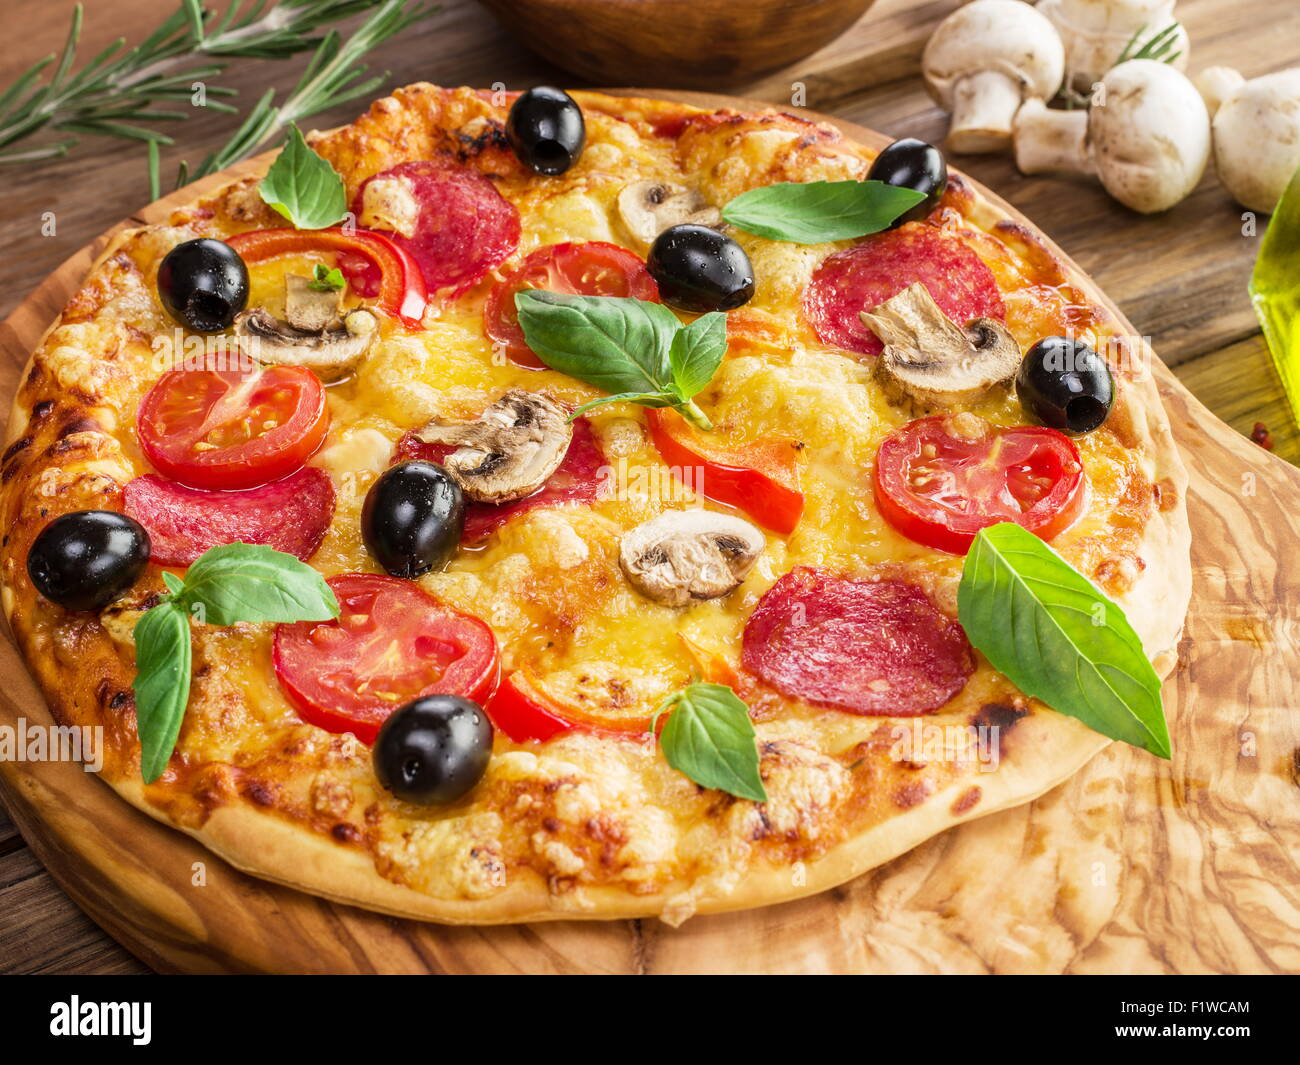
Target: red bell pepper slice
{"x": 761, "y": 478}
{"x": 401, "y": 285}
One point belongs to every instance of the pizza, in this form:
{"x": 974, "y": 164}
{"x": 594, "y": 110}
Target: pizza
{"x": 639, "y": 505}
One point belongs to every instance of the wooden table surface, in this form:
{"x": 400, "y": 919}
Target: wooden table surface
{"x": 1181, "y": 278}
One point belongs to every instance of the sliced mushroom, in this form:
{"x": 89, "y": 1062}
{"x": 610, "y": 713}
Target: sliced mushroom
{"x": 685, "y": 555}
{"x": 329, "y": 352}
{"x": 647, "y": 208}
{"x": 510, "y": 451}
{"x": 311, "y": 307}
{"x": 931, "y": 361}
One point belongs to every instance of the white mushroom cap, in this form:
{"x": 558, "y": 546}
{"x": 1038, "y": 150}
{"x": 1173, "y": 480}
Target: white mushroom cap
{"x": 982, "y": 61}
{"x": 1147, "y": 138}
{"x": 1256, "y": 133}
{"x": 1096, "y": 32}
{"x": 684, "y": 556}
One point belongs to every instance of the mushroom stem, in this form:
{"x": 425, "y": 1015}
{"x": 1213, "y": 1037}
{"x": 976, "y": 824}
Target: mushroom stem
{"x": 695, "y": 416}
{"x": 984, "y": 105}
{"x": 1050, "y": 140}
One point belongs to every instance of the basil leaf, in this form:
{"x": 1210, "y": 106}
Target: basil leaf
{"x": 618, "y": 344}
{"x": 162, "y": 683}
{"x": 815, "y": 212}
{"x": 325, "y": 279}
{"x": 710, "y": 738}
{"x": 632, "y": 348}
{"x": 1275, "y": 291}
{"x": 696, "y": 353}
{"x": 251, "y": 582}
{"x": 1058, "y": 638}
{"x": 234, "y": 582}
{"x": 303, "y": 187}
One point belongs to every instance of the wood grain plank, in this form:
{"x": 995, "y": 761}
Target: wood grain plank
{"x": 43, "y": 931}
{"x": 884, "y": 45}
{"x": 1246, "y": 390}
{"x": 10, "y": 840}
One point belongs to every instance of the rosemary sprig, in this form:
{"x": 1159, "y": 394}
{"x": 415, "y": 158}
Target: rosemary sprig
{"x": 1159, "y": 47}
{"x": 331, "y": 78}
{"x": 122, "y": 92}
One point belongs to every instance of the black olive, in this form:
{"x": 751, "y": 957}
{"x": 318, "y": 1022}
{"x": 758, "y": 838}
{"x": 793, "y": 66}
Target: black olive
{"x": 1065, "y": 384}
{"x": 546, "y": 130}
{"x": 433, "y": 750}
{"x": 412, "y": 518}
{"x": 699, "y": 269}
{"x": 203, "y": 284}
{"x": 86, "y": 559}
{"x": 912, "y": 164}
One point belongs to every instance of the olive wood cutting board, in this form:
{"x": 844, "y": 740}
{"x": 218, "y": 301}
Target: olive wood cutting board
{"x": 1133, "y": 865}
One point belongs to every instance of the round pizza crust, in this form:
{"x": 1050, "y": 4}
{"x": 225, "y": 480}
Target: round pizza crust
{"x": 1049, "y": 748}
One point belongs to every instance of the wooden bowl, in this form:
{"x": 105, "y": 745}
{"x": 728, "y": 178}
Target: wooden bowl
{"x": 692, "y": 44}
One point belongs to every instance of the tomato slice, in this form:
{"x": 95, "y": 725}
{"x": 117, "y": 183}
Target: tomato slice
{"x": 373, "y": 264}
{"x": 232, "y": 428}
{"x": 939, "y": 482}
{"x": 523, "y": 711}
{"x": 594, "y": 268}
{"x": 761, "y": 478}
{"x": 391, "y": 643}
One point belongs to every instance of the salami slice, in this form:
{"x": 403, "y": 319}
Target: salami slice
{"x": 464, "y": 226}
{"x": 865, "y": 275}
{"x": 868, "y": 647}
{"x": 290, "y": 515}
{"x": 580, "y": 478}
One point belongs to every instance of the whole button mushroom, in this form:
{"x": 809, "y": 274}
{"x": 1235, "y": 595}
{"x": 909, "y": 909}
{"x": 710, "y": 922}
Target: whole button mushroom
{"x": 1256, "y": 132}
{"x": 1097, "y": 32}
{"x": 983, "y": 61}
{"x": 1146, "y": 137}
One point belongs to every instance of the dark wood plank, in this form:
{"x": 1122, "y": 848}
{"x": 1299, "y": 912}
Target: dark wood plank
{"x": 10, "y": 840}
{"x": 43, "y": 931}
{"x": 1246, "y": 391}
